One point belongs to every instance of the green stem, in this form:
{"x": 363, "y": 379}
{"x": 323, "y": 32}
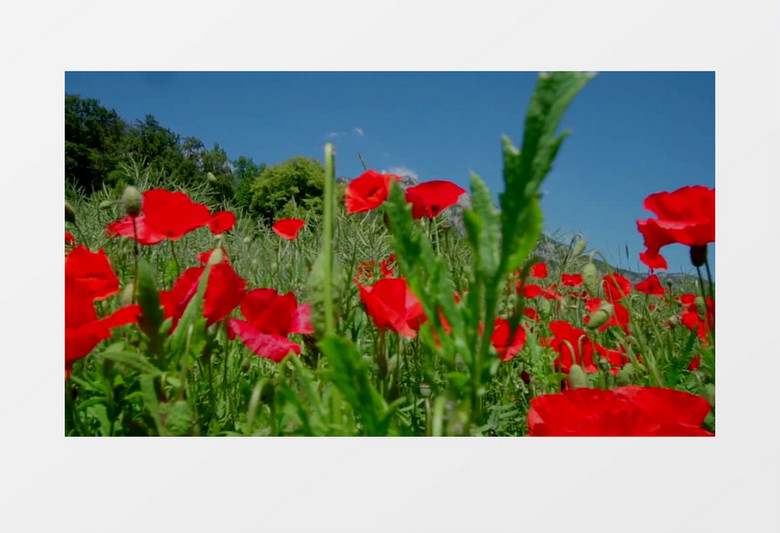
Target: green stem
{"x": 327, "y": 246}
{"x": 135, "y": 271}
{"x": 175, "y": 260}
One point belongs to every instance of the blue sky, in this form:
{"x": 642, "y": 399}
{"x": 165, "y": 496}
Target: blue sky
{"x": 633, "y": 133}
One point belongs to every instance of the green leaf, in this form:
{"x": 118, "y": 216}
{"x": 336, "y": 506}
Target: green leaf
{"x": 351, "y": 375}
{"x": 152, "y": 315}
{"x": 525, "y": 169}
{"x": 131, "y": 359}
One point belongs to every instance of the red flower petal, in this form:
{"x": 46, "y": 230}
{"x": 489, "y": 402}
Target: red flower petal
{"x": 616, "y": 287}
{"x": 288, "y": 228}
{"x": 627, "y": 411}
{"x": 270, "y": 346}
{"x": 224, "y": 292}
{"x": 124, "y": 227}
{"x": 539, "y": 270}
{"x": 368, "y": 191}
{"x": 92, "y": 271}
{"x": 221, "y": 222}
{"x": 432, "y": 197}
{"x": 571, "y": 280}
{"x": 173, "y": 214}
{"x": 70, "y": 239}
{"x": 392, "y": 305}
{"x": 651, "y": 285}
{"x": 500, "y": 339}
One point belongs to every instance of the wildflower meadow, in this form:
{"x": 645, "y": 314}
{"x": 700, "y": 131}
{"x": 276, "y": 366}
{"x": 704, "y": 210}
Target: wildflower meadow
{"x": 364, "y": 312}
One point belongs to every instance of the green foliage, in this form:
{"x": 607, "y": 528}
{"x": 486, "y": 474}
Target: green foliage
{"x": 284, "y": 190}
{"x": 93, "y": 138}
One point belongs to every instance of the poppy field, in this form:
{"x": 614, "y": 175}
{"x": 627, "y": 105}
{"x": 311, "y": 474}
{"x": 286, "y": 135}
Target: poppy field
{"x": 377, "y": 318}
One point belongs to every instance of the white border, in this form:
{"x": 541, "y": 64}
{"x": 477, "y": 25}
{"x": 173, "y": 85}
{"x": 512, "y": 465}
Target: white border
{"x": 727, "y": 483}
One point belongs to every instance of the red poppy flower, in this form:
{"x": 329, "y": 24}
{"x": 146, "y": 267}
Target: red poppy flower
{"x": 224, "y": 291}
{"x": 392, "y": 305}
{"x": 651, "y": 285}
{"x": 529, "y": 291}
{"x": 270, "y": 318}
{"x": 288, "y": 228}
{"x": 571, "y": 280}
{"x": 568, "y": 338}
{"x": 550, "y": 293}
{"x": 626, "y": 411}
{"x": 173, "y": 213}
{"x": 616, "y": 287}
{"x": 500, "y": 339}
{"x": 222, "y": 222}
{"x": 685, "y": 216}
{"x": 691, "y": 318}
{"x": 432, "y": 197}
{"x": 124, "y": 227}
{"x": 368, "y": 191}
{"x": 531, "y": 313}
{"x": 539, "y": 270}
{"x": 92, "y": 271}
{"x": 388, "y": 266}
{"x": 83, "y": 329}
{"x": 70, "y": 240}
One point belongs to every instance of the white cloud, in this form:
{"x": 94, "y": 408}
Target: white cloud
{"x": 357, "y": 130}
{"x": 334, "y": 134}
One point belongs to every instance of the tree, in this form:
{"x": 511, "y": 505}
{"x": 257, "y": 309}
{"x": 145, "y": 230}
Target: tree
{"x": 245, "y": 171}
{"x": 93, "y": 139}
{"x": 278, "y": 190}
{"x": 160, "y": 149}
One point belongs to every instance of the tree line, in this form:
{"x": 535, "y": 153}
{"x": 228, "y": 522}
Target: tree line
{"x": 98, "y": 142}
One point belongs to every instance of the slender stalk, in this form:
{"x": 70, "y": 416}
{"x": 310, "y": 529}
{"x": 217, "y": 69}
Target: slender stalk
{"x": 135, "y": 252}
{"x": 175, "y": 260}
{"x": 327, "y": 246}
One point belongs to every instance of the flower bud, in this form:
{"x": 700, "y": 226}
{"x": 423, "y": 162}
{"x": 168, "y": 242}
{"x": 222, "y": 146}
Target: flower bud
{"x": 578, "y": 248}
{"x": 216, "y": 256}
{"x": 70, "y": 214}
{"x": 247, "y": 239}
{"x": 701, "y": 307}
{"x": 674, "y": 321}
{"x": 698, "y": 254}
{"x": 590, "y": 278}
{"x": 211, "y": 177}
{"x": 107, "y": 204}
{"x": 126, "y": 298}
{"x": 600, "y": 316}
{"x": 545, "y": 308}
{"x": 131, "y": 201}
{"x": 425, "y": 390}
{"x": 577, "y": 377}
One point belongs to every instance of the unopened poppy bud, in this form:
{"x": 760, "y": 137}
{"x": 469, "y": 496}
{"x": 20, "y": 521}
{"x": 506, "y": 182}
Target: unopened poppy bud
{"x": 600, "y": 316}
{"x": 216, "y": 256}
{"x": 578, "y": 248}
{"x": 425, "y": 390}
{"x": 126, "y": 297}
{"x": 247, "y": 239}
{"x": 674, "y": 321}
{"x": 698, "y": 254}
{"x": 107, "y": 204}
{"x": 211, "y": 177}
{"x": 131, "y": 201}
{"x": 701, "y": 307}
{"x": 545, "y": 308}
{"x": 70, "y": 214}
{"x": 590, "y": 278}
{"x": 577, "y": 377}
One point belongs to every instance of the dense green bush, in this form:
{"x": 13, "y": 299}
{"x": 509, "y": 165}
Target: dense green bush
{"x": 288, "y": 189}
